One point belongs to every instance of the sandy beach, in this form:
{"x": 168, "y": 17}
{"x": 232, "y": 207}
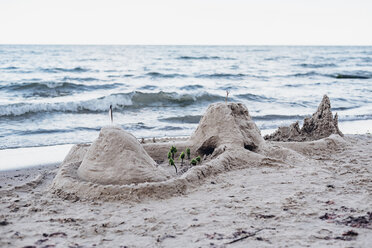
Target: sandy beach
{"x": 185, "y": 124}
{"x": 312, "y": 204}
{"x": 267, "y": 194}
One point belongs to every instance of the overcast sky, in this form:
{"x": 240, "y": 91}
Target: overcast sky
{"x": 234, "y": 22}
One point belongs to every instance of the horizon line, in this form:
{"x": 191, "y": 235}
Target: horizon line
{"x": 132, "y": 44}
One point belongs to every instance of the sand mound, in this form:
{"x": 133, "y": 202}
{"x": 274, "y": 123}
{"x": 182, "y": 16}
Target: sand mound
{"x": 228, "y": 125}
{"x": 116, "y": 157}
{"x": 320, "y": 125}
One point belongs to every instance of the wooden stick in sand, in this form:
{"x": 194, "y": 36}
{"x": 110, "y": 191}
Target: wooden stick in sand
{"x": 227, "y": 96}
{"x": 110, "y": 114}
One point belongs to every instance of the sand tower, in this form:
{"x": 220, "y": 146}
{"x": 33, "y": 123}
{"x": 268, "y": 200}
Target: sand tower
{"x": 228, "y": 125}
{"x": 116, "y": 157}
{"x": 320, "y": 125}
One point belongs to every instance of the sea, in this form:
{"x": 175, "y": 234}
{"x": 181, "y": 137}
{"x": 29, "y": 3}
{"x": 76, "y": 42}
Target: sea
{"x": 53, "y": 95}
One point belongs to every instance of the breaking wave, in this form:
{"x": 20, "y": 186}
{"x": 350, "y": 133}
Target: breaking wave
{"x": 119, "y": 101}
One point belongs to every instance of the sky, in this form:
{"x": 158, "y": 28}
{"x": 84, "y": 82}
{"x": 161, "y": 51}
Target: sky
{"x": 186, "y": 22}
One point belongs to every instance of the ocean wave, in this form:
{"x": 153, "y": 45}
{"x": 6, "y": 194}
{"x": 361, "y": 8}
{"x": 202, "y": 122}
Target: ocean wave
{"x": 346, "y": 75}
{"x": 253, "y": 97}
{"x": 192, "y": 119}
{"x": 119, "y": 101}
{"x": 230, "y": 87}
{"x": 59, "y": 69}
{"x": 366, "y": 59}
{"x": 204, "y": 58}
{"x": 148, "y": 87}
{"x": 80, "y": 79}
{"x": 355, "y": 117}
{"x": 306, "y": 74}
{"x": 276, "y": 58}
{"x": 344, "y": 108}
{"x": 47, "y": 131}
{"x": 120, "y": 76}
{"x": 278, "y": 117}
{"x": 222, "y": 75}
{"x": 163, "y": 75}
{"x": 309, "y": 65}
{"x": 192, "y": 87}
{"x": 10, "y": 68}
{"x": 352, "y": 76}
{"x": 301, "y": 117}
{"x": 140, "y": 99}
{"x": 170, "y": 128}
{"x": 52, "y": 89}
{"x": 137, "y": 126}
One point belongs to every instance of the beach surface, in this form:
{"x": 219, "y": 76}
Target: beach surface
{"x": 325, "y": 200}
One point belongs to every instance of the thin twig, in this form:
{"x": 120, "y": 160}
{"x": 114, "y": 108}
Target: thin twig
{"x": 248, "y": 235}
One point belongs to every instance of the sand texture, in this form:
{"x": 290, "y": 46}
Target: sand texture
{"x": 246, "y": 192}
{"x": 269, "y": 204}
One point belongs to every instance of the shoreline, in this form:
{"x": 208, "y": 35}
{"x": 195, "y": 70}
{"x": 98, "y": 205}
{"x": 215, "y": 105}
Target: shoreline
{"x": 57, "y": 153}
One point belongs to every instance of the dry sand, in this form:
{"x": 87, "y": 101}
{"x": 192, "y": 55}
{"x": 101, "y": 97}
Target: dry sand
{"x": 276, "y": 206}
{"x": 247, "y": 193}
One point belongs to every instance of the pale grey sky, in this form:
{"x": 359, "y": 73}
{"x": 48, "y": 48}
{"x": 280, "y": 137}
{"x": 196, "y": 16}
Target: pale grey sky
{"x": 234, "y": 22}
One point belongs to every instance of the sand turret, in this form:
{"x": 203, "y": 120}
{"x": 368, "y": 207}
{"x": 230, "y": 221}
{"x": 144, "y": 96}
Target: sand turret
{"x": 226, "y": 124}
{"x": 116, "y": 157}
{"x": 320, "y": 125}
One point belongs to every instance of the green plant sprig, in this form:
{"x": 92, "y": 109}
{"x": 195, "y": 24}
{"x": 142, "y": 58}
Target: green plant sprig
{"x": 171, "y": 163}
{"x": 198, "y": 159}
{"x": 182, "y": 157}
{"x": 173, "y": 150}
{"x": 188, "y": 153}
{"x": 193, "y": 161}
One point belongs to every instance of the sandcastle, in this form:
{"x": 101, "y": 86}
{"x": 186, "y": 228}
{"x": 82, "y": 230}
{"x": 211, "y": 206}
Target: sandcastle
{"x": 117, "y": 166}
{"x": 320, "y": 125}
